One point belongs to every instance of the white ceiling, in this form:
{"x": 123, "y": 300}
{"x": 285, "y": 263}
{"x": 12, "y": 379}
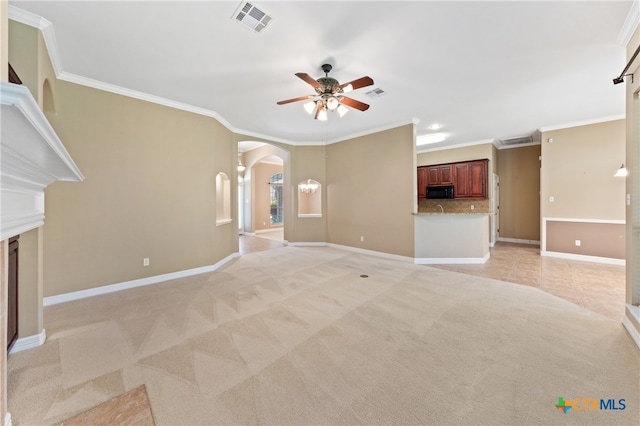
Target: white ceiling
{"x": 483, "y": 70}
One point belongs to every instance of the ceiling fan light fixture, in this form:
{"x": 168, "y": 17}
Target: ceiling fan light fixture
{"x": 310, "y": 107}
{"x": 348, "y": 88}
{"x": 332, "y": 103}
{"x": 342, "y": 110}
{"x": 322, "y": 114}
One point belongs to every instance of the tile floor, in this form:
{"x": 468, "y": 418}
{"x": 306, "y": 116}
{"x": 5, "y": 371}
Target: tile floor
{"x": 595, "y": 286}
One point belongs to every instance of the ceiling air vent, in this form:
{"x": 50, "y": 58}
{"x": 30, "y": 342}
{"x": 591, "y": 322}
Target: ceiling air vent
{"x": 532, "y": 139}
{"x": 375, "y": 93}
{"x": 517, "y": 141}
{"x": 249, "y": 15}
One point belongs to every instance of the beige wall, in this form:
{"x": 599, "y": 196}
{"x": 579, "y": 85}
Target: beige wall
{"x": 632, "y": 182}
{"x": 519, "y": 171}
{"x": 371, "y": 191}
{"x": 149, "y": 191}
{"x": 577, "y": 170}
{"x": 578, "y": 164}
{"x": 309, "y": 162}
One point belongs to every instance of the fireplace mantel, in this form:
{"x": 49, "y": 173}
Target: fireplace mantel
{"x": 31, "y": 157}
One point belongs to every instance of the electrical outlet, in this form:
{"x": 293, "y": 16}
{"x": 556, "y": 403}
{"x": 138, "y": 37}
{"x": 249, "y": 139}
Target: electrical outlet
{"x": 578, "y": 242}
{"x": 552, "y": 199}
{"x": 361, "y": 238}
{"x": 472, "y": 207}
{"x": 145, "y": 261}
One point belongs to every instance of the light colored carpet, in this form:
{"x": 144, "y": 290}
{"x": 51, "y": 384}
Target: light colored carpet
{"x": 295, "y": 336}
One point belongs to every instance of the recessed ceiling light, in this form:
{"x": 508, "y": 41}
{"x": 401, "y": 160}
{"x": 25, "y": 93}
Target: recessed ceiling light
{"x": 435, "y": 126}
{"x": 431, "y": 138}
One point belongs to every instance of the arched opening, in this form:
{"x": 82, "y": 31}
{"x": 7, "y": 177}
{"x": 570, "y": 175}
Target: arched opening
{"x": 309, "y": 198}
{"x": 48, "y": 104}
{"x": 223, "y": 199}
{"x": 265, "y": 190}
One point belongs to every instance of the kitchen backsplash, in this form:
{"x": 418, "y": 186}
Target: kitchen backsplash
{"x": 453, "y": 206}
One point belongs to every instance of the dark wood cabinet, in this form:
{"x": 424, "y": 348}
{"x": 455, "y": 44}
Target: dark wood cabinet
{"x": 439, "y": 175}
{"x": 469, "y": 178}
{"x": 422, "y": 181}
{"x": 478, "y": 179}
{"x": 461, "y": 180}
{"x": 12, "y": 293}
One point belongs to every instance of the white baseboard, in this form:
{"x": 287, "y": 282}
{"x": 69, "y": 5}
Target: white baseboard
{"x": 519, "y": 241}
{"x": 7, "y": 419}
{"x": 451, "y": 260}
{"x": 76, "y": 295}
{"x": 262, "y": 231}
{"x": 29, "y": 342}
{"x": 584, "y": 258}
{"x": 307, "y": 244}
{"x": 634, "y": 311}
{"x": 372, "y": 253}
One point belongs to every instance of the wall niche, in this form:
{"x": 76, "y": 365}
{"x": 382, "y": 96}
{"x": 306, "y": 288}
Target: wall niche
{"x": 309, "y": 198}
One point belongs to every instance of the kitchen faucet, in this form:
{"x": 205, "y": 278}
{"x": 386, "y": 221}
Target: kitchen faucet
{"x": 441, "y": 208}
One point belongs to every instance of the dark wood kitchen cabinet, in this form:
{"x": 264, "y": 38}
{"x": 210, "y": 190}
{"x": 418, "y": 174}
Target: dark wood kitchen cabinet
{"x": 422, "y": 181}
{"x": 12, "y": 293}
{"x": 439, "y": 175}
{"x": 470, "y": 179}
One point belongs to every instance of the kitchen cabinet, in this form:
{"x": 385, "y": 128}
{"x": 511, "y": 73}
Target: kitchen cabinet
{"x": 439, "y": 175}
{"x": 422, "y": 181}
{"x": 469, "y": 178}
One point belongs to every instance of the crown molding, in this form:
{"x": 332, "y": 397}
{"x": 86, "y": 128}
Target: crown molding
{"x": 460, "y": 145}
{"x": 582, "y": 123}
{"x": 630, "y": 24}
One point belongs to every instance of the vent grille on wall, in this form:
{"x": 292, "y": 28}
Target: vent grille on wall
{"x": 375, "y": 93}
{"x": 521, "y": 140}
{"x": 249, "y": 15}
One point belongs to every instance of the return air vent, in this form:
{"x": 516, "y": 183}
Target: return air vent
{"x": 375, "y": 93}
{"x": 532, "y": 139}
{"x": 249, "y": 15}
{"x": 516, "y": 141}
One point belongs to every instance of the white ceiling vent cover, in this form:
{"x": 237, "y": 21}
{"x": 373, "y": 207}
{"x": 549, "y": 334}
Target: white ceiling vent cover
{"x": 249, "y": 15}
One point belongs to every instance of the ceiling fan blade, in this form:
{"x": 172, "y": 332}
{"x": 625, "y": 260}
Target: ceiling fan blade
{"x": 357, "y": 84}
{"x": 306, "y": 77}
{"x": 300, "y": 98}
{"x": 353, "y": 103}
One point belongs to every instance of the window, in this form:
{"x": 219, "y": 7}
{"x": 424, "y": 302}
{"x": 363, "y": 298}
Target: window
{"x": 275, "y": 183}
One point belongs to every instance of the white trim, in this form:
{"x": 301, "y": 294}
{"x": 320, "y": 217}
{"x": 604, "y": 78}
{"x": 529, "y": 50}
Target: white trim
{"x": 29, "y": 342}
{"x": 452, "y": 260}
{"x": 630, "y": 24}
{"x": 371, "y": 131}
{"x": 569, "y": 219}
{"x": 519, "y": 145}
{"x": 583, "y": 257}
{"x": 308, "y": 244}
{"x": 308, "y": 215}
{"x": 634, "y": 311}
{"x": 82, "y": 294}
{"x": 264, "y": 231}
{"x": 372, "y": 253}
{"x": 223, "y": 222}
{"x": 460, "y": 145}
{"x": 581, "y": 123}
{"x": 7, "y": 419}
{"x": 519, "y": 241}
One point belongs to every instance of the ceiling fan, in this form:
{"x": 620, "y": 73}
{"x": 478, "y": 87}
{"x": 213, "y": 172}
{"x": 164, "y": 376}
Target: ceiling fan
{"x": 329, "y": 94}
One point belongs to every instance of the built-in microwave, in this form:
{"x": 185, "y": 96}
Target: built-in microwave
{"x": 440, "y": 192}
